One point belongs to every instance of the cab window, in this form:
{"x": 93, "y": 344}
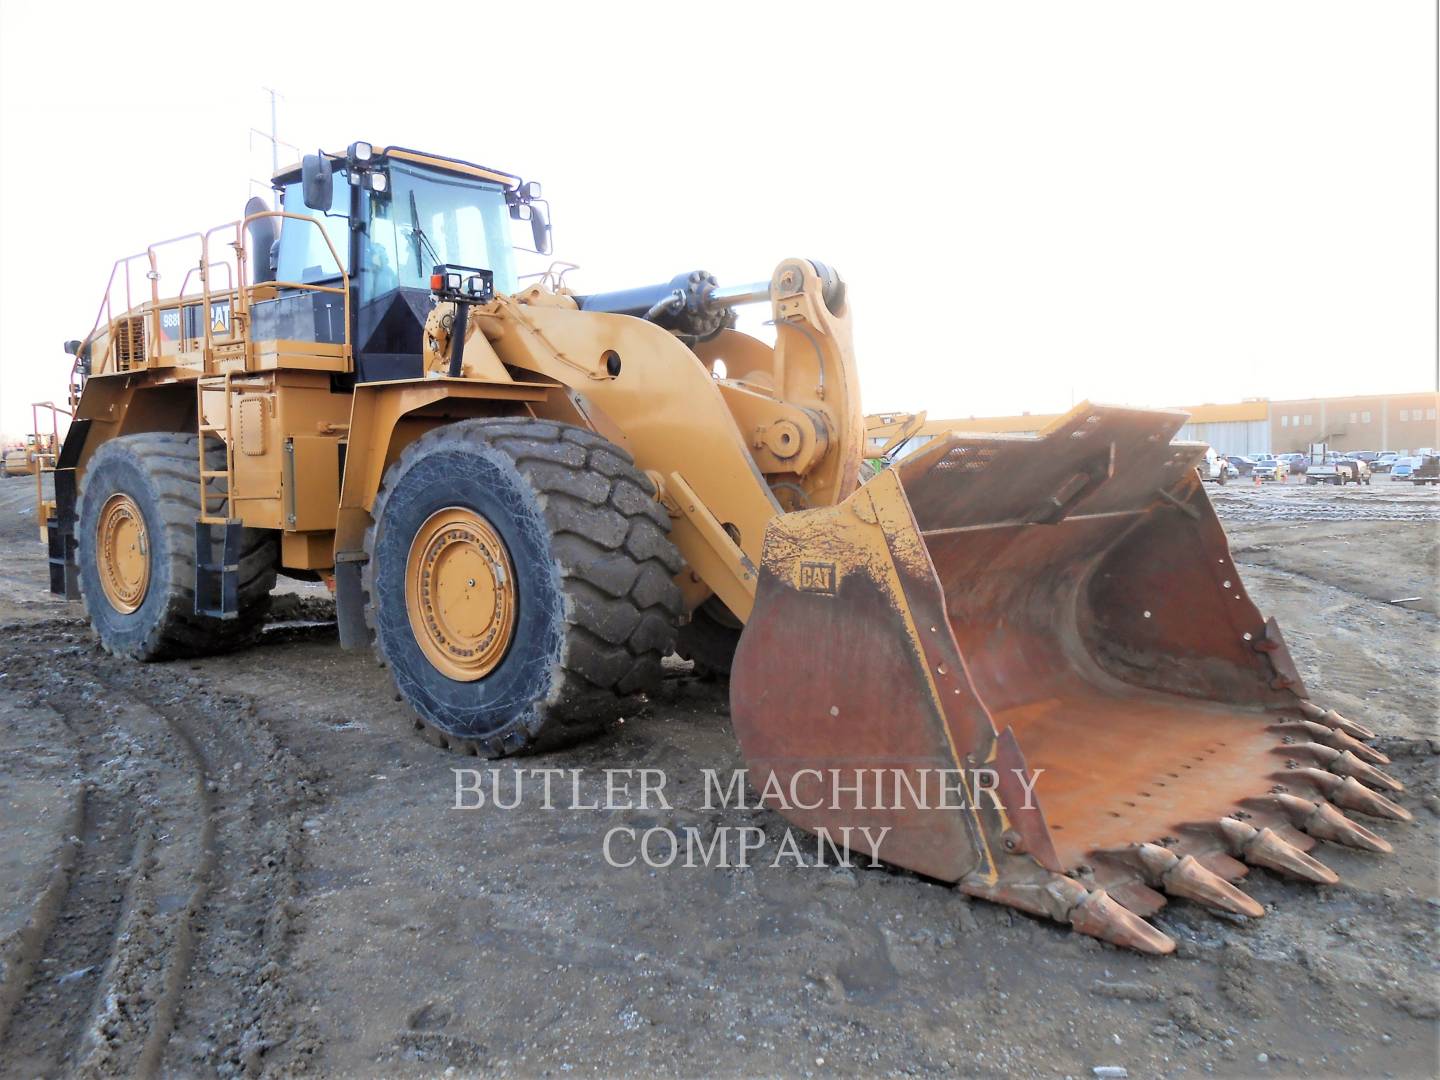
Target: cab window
{"x": 303, "y": 255}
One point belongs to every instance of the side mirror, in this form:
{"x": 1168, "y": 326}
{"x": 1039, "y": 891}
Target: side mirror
{"x": 540, "y": 228}
{"x": 317, "y": 179}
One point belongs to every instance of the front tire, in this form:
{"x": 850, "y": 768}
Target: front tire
{"x": 519, "y": 583}
{"x": 136, "y": 534}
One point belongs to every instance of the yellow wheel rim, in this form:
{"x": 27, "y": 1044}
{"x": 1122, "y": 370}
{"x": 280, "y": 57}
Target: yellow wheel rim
{"x": 460, "y": 594}
{"x": 122, "y": 547}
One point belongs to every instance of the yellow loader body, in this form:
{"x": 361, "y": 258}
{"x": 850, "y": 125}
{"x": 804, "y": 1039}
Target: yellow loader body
{"x": 1029, "y": 661}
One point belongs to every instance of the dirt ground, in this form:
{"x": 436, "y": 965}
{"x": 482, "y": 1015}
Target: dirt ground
{"x": 250, "y": 864}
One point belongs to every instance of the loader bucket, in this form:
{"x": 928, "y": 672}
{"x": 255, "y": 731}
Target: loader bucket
{"x": 1031, "y": 660}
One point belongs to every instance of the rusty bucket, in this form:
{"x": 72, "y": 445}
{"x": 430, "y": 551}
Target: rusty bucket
{"x": 1028, "y": 664}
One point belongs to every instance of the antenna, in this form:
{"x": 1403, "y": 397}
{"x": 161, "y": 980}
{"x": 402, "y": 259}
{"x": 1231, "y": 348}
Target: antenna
{"x": 273, "y": 137}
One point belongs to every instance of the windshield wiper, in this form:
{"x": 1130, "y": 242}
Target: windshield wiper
{"x": 419, "y": 233}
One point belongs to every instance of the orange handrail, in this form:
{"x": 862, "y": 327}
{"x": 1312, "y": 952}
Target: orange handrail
{"x": 235, "y": 290}
{"x": 244, "y": 294}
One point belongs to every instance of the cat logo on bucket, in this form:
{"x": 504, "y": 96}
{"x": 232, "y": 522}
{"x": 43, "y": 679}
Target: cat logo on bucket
{"x": 817, "y": 577}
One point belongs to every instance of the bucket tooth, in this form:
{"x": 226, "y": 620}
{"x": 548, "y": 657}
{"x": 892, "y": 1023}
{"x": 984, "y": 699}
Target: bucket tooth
{"x": 1344, "y": 763}
{"x": 1265, "y": 848}
{"x": 1331, "y": 718}
{"x": 1338, "y": 740}
{"x": 1353, "y": 795}
{"x": 1101, "y": 916}
{"x": 1325, "y": 822}
{"x": 1091, "y": 911}
{"x": 1187, "y": 877}
{"x": 1347, "y": 792}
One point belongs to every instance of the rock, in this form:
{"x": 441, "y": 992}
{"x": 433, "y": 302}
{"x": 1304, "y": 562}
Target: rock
{"x": 1126, "y": 991}
{"x": 966, "y": 918}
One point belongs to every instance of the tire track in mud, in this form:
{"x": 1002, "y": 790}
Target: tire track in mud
{"x": 25, "y": 948}
{"x": 171, "y": 938}
{"x": 1312, "y": 505}
{"x": 53, "y": 1009}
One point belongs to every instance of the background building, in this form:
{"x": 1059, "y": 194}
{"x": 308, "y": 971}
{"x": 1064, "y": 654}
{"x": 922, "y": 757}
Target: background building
{"x": 1242, "y": 429}
{"x": 1399, "y": 422}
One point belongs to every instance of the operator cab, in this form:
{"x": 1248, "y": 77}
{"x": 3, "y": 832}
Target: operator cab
{"x": 411, "y": 213}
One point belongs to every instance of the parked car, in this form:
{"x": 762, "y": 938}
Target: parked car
{"x": 1353, "y": 470}
{"x": 1243, "y": 466}
{"x": 1298, "y": 463}
{"x": 1427, "y": 472}
{"x": 1273, "y": 469}
{"x": 1339, "y": 470}
{"x": 1367, "y": 456}
{"x": 1402, "y": 468}
{"x": 1322, "y": 470}
{"x": 1386, "y": 459}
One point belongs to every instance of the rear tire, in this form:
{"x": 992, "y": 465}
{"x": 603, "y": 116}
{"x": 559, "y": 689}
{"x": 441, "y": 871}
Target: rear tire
{"x": 592, "y": 610}
{"x": 154, "y": 479}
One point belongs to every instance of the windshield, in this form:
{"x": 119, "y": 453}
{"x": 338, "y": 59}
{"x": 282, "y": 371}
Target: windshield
{"x": 429, "y": 217}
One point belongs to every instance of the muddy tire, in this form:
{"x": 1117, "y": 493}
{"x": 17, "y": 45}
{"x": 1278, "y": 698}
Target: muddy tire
{"x": 543, "y": 601}
{"x": 136, "y": 550}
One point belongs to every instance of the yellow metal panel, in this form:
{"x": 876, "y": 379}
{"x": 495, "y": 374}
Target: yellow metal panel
{"x": 307, "y": 550}
{"x": 312, "y": 482}
{"x": 250, "y": 412}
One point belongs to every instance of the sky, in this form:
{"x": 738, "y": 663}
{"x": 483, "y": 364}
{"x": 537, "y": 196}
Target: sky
{"x": 1149, "y": 203}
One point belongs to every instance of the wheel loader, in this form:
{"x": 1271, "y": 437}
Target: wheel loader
{"x": 524, "y": 497}
{"x": 40, "y": 447}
